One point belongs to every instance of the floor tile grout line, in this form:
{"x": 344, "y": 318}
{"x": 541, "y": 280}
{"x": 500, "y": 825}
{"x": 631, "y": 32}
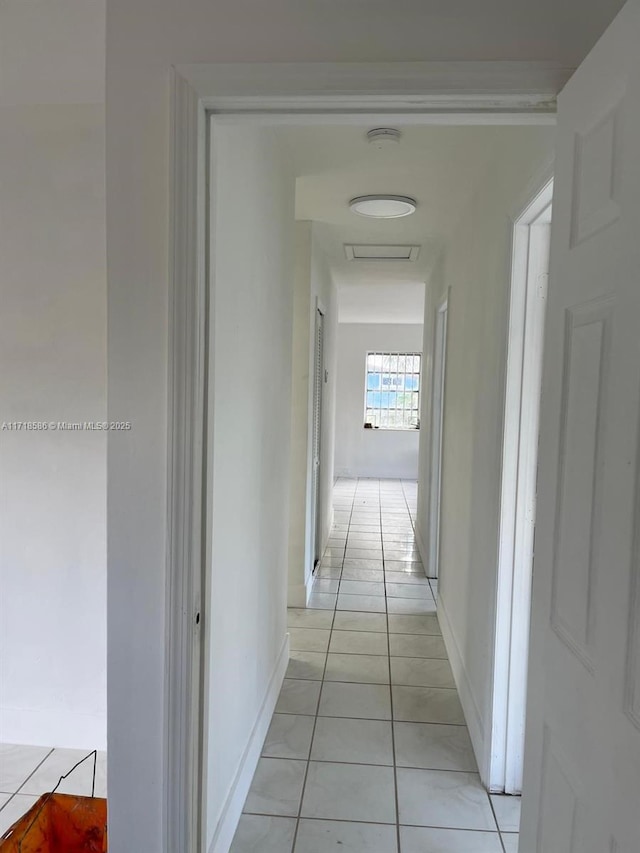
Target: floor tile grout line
{"x": 316, "y": 716}
{"x": 380, "y": 823}
{"x": 371, "y": 763}
{"x": 373, "y": 719}
{"x": 48, "y": 755}
{"x": 373, "y": 683}
{"x": 308, "y": 760}
{"x": 495, "y": 818}
{"x": 374, "y": 655}
{"x": 393, "y": 734}
{"x": 342, "y": 566}
{"x": 361, "y": 499}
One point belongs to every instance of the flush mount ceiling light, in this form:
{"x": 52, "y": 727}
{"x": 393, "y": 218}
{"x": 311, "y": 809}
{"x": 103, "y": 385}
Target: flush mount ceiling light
{"x": 381, "y": 137}
{"x": 383, "y": 206}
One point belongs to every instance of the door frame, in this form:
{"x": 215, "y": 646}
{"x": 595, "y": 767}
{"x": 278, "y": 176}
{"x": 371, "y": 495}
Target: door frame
{"x": 316, "y": 477}
{"x": 437, "y": 431}
{"x": 525, "y": 347}
{"x": 451, "y": 93}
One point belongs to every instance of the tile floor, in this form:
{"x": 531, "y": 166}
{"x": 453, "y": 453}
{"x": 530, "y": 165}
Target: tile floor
{"x": 26, "y": 772}
{"x": 368, "y": 751}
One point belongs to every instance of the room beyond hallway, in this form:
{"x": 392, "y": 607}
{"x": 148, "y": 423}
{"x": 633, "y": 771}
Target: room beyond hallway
{"x": 368, "y": 751}
{"x": 27, "y": 772}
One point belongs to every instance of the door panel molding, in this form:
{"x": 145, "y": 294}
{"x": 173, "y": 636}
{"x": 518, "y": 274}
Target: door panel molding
{"x": 558, "y": 799}
{"x": 595, "y": 205}
{"x": 575, "y": 575}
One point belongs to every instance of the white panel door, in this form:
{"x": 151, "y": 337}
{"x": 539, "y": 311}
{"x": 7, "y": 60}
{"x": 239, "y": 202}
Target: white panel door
{"x": 582, "y": 761}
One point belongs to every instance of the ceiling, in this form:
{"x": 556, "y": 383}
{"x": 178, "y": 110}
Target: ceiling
{"x": 439, "y": 166}
{"x": 53, "y": 51}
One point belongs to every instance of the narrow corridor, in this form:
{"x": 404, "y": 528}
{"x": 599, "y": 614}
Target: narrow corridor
{"x": 368, "y": 751}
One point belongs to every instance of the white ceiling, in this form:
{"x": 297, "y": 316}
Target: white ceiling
{"x": 53, "y": 51}
{"x": 439, "y": 166}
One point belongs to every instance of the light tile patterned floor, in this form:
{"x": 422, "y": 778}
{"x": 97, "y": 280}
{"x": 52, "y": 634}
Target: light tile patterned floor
{"x": 26, "y": 772}
{"x": 368, "y": 751}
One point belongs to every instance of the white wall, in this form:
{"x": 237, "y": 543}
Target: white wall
{"x": 476, "y": 268}
{"x": 53, "y": 357}
{"x": 252, "y": 340}
{"x": 371, "y": 452}
{"x": 313, "y": 286}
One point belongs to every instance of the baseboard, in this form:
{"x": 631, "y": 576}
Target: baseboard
{"x": 309, "y": 588}
{"x": 469, "y": 705}
{"x": 423, "y": 551}
{"x": 232, "y": 808}
{"x": 52, "y": 727}
{"x": 310, "y": 577}
{"x": 376, "y": 474}
{"x": 297, "y": 595}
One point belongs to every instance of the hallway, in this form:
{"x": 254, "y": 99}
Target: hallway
{"x": 368, "y": 751}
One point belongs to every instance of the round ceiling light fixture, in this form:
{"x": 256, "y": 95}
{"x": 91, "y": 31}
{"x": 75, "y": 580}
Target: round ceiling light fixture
{"x": 381, "y": 137}
{"x": 383, "y": 206}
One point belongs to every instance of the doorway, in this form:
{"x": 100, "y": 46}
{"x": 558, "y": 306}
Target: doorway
{"x": 437, "y": 423}
{"x": 234, "y": 801}
{"x": 318, "y": 380}
{"x": 529, "y": 278}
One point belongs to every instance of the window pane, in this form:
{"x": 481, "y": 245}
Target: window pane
{"x": 392, "y": 388}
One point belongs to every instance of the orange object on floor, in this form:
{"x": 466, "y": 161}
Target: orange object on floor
{"x": 60, "y": 823}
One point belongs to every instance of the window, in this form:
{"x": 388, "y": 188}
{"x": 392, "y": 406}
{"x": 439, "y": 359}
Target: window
{"x": 392, "y": 392}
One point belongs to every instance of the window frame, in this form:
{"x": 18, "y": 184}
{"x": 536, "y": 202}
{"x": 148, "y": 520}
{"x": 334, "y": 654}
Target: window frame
{"x": 405, "y": 373}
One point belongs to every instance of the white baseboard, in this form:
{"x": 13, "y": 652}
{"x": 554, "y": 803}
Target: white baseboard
{"x": 423, "y": 551}
{"x": 52, "y": 727}
{"x": 467, "y": 699}
{"x": 232, "y": 808}
{"x": 377, "y": 474}
{"x": 297, "y": 595}
{"x": 309, "y": 588}
{"x": 310, "y": 577}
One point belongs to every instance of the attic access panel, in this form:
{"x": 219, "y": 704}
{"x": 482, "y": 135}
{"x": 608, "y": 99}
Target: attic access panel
{"x": 380, "y": 252}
